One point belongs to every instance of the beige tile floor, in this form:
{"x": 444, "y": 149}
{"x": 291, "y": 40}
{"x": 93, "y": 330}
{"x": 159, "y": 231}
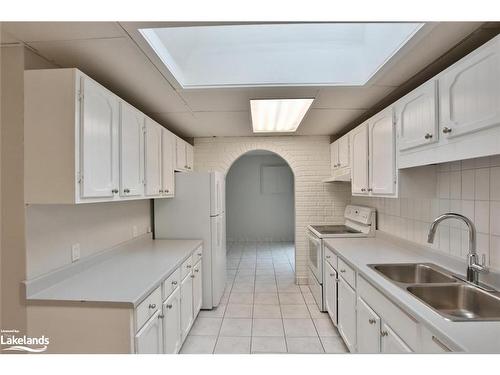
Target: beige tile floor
{"x": 262, "y": 310}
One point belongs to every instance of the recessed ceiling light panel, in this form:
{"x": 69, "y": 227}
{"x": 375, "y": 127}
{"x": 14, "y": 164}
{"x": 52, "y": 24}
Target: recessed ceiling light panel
{"x": 278, "y": 115}
{"x": 293, "y": 54}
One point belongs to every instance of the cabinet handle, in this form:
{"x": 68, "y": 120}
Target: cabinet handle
{"x": 384, "y": 333}
{"x": 372, "y": 321}
{"x": 332, "y": 274}
{"x": 114, "y": 191}
{"x": 327, "y": 256}
{"x": 363, "y": 189}
{"x": 192, "y": 276}
{"x": 370, "y": 189}
{"x": 126, "y": 191}
{"x": 446, "y": 130}
{"x": 189, "y": 266}
{"x": 440, "y": 344}
{"x": 428, "y": 136}
{"x": 161, "y": 316}
{"x": 160, "y": 191}
{"x": 342, "y": 271}
{"x": 167, "y": 191}
{"x": 152, "y": 305}
{"x": 199, "y": 254}
{"x": 169, "y": 306}
{"x": 196, "y": 270}
{"x": 174, "y": 282}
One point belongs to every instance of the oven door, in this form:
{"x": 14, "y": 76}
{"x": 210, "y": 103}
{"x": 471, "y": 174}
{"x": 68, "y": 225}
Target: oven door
{"x": 315, "y": 256}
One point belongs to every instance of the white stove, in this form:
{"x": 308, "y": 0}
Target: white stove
{"x": 359, "y": 221}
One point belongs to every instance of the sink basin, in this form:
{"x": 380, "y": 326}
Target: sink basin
{"x": 413, "y": 273}
{"x": 459, "y": 302}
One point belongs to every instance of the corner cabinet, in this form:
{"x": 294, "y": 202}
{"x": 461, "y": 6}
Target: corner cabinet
{"x": 373, "y": 155}
{"x": 84, "y": 144}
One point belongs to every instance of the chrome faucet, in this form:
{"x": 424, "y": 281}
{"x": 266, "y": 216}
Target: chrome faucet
{"x": 474, "y": 267}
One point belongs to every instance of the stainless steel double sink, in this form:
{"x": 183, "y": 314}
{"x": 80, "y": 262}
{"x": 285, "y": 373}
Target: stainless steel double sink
{"x": 441, "y": 290}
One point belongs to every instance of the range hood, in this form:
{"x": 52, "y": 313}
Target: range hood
{"x": 342, "y": 175}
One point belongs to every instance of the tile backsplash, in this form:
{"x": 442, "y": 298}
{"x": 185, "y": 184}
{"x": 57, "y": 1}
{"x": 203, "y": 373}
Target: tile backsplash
{"x": 470, "y": 187}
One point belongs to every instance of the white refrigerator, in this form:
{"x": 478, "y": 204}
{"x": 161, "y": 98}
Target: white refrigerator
{"x": 198, "y": 211}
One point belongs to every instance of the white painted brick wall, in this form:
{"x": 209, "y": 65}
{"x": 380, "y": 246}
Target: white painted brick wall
{"x": 309, "y": 159}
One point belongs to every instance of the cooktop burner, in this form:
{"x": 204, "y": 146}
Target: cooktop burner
{"x": 333, "y": 229}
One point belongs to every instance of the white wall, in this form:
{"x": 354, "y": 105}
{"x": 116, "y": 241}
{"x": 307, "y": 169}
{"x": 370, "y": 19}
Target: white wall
{"x": 51, "y": 230}
{"x": 309, "y": 159}
{"x": 254, "y": 214}
{"x": 470, "y": 187}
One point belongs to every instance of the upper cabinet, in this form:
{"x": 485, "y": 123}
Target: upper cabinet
{"x": 467, "y": 124}
{"x": 84, "y": 144}
{"x": 184, "y": 155}
{"x": 373, "y": 155}
{"x": 417, "y": 117}
{"x": 340, "y": 159}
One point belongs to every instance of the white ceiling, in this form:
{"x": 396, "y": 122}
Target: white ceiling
{"x": 115, "y": 55}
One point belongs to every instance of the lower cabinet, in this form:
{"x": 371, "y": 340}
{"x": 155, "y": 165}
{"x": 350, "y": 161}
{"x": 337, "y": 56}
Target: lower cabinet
{"x": 347, "y": 314}
{"x": 330, "y": 285}
{"x": 187, "y": 316}
{"x": 172, "y": 339}
{"x": 149, "y": 339}
{"x": 368, "y": 329}
{"x": 197, "y": 289}
{"x": 391, "y": 342}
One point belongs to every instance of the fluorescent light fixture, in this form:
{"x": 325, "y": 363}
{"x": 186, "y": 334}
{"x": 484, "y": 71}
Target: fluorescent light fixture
{"x": 278, "y": 115}
{"x": 288, "y": 54}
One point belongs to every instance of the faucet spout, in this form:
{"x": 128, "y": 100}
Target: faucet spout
{"x": 473, "y": 266}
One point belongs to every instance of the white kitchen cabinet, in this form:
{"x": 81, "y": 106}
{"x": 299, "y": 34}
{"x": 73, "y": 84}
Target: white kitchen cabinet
{"x": 167, "y": 163}
{"x": 417, "y": 117}
{"x": 189, "y": 156}
{"x": 131, "y": 151}
{"x": 368, "y": 329}
{"x": 197, "y": 289}
{"x": 172, "y": 338}
{"x": 331, "y": 291}
{"x": 431, "y": 343}
{"x": 184, "y": 155}
{"x": 149, "y": 339}
{"x": 187, "y": 316}
{"x": 382, "y": 156}
{"x": 469, "y": 95}
{"x": 153, "y": 158}
{"x": 334, "y": 155}
{"x": 391, "y": 342}
{"x": 347, "y": 314}
{"x": 339, "y": 153}
{"x": 359, "y": 157}
{"x": 99, "y": 141}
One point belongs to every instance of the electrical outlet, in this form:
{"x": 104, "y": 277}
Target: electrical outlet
{"x": 75, "y": 252}
{"x": 134, "y": 231}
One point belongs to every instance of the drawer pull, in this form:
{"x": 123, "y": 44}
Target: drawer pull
{"x": 152, "y": 305}
{"x": 169, "y": 306}
{"x": 428, "y": 136}
{"x": 372, "y": 321}
{"x": 384, "y": 333}
{"x": 342, "y": 271}
{"x": 189, "y": 266}
{"x": 161, "y": 316}
{"x": 440, "y": 344}
{"x": 192, "y": 276}
{"x": 196, "y": 270}
{"x": 446, "y": 130}
{"x": 174, "y": 282}
{"x": 327, "y": 256}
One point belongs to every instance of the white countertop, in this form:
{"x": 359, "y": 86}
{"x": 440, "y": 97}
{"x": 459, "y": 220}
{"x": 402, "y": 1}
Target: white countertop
{"x": 126, "y": 275}
{"x": 474, "y": 337}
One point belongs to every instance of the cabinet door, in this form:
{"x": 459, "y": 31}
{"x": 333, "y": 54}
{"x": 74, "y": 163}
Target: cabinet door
{"x": 391, "y": 342}
{"x": 186, "y": 305}
{"x": 343, "y": 159}
{"x": 153, "y": 158}
{"x": 180, "y": 152}
{"x": 197, "y": 289}
{"x": 417, "y": 117}
{"x": 149, "y": 338}
{"x": 99, "y": 165}
{"x": 334, "y": 154}
{"x": 331, "y": 291}
{"x": 382, "y": 154}
{"x": 168, "y": 156}
{"x": 189, "y": 156}
{"x": 347, "y": 314}
{"x": 368, "y": 329}
{"x": 131, "y": 151}
{"x": 359, "y": 157}
{"x": 469, "y": 95}
{"x": 172, "y": 339}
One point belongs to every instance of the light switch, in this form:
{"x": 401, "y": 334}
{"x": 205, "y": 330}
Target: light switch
{"x": 75, "y": 252}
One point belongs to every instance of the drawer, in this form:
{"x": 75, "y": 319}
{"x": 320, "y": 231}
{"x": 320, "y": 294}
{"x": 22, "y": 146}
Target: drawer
{"x": 186, "y": 267}
{"x": 347, "y": 273}
{"x": 171, "y": 283}
{"x": 147, "y": 308}
{"x": 403, "y": 324}
{"x": 331, "y": 258}
{"x": 197, "y": 255}
{"x": 431, "y": 343}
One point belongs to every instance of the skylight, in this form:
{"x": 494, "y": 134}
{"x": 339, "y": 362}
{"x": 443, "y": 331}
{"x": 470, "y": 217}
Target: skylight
{"x": 307, "y": 54}
{"x": 278, "y": 115}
